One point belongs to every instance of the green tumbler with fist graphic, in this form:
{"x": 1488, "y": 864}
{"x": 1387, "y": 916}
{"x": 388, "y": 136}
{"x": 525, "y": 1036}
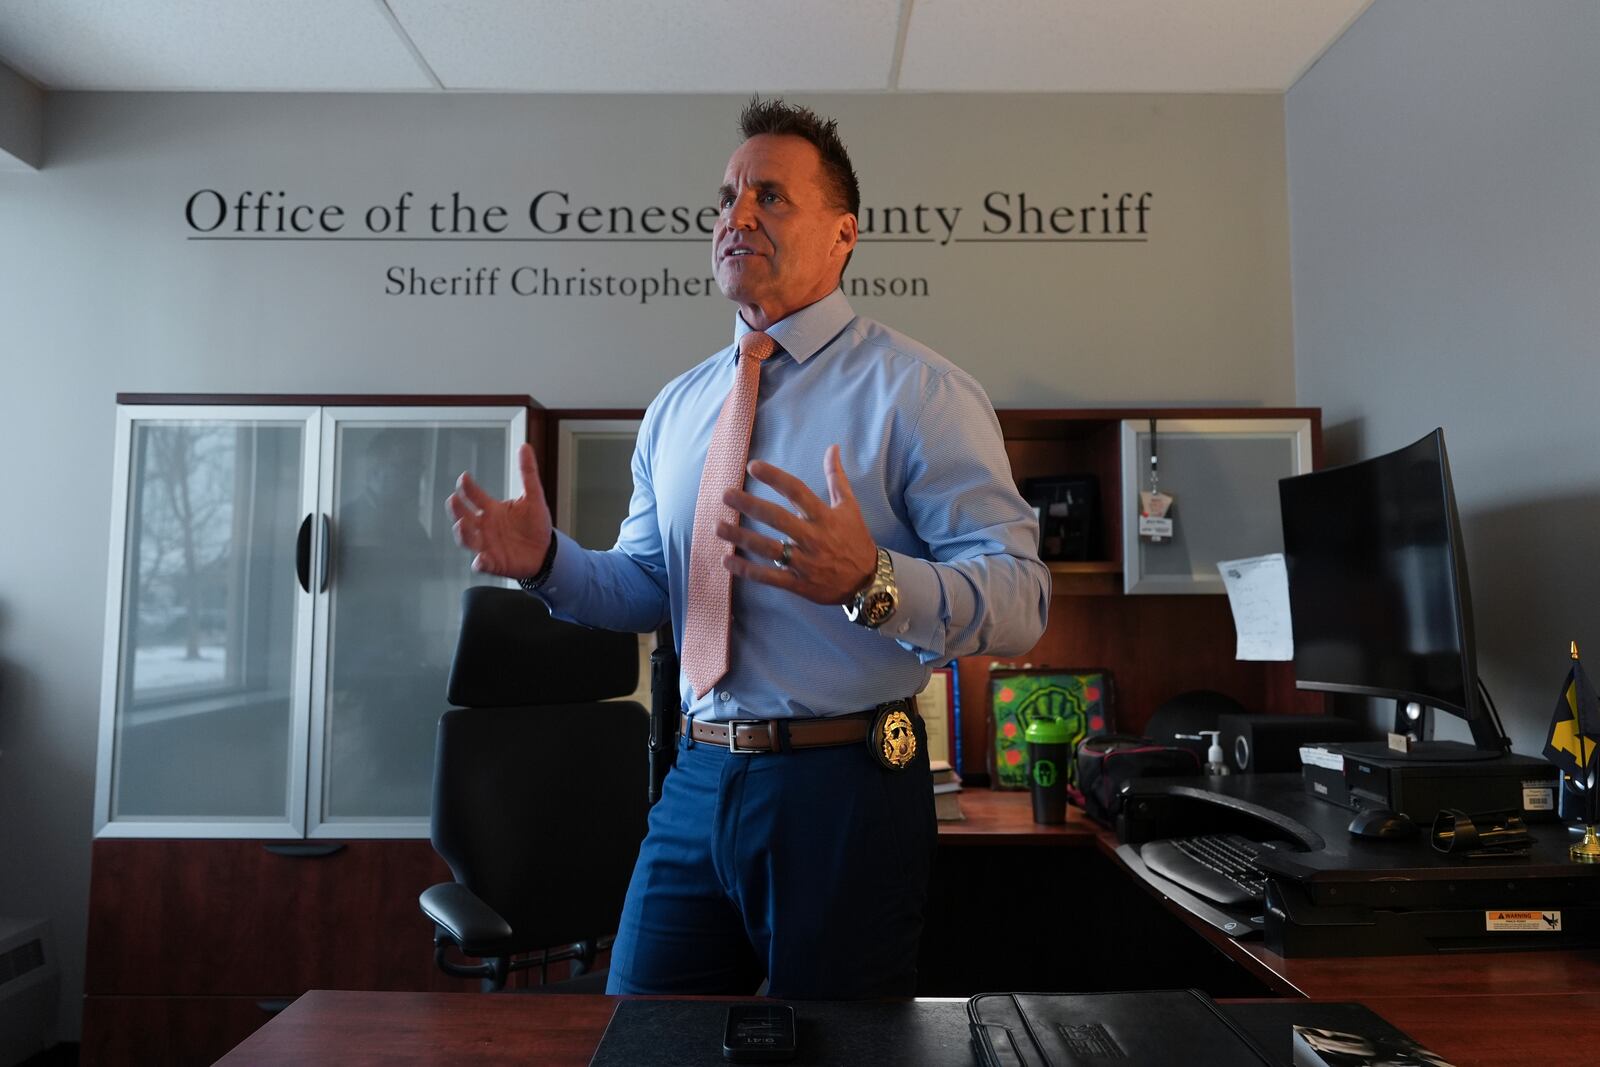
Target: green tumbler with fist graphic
{"x": 1049, "y": 752}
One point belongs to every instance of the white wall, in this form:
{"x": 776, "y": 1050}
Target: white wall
{"x": 21, "y": 122}
{"x": 101, "y": 291}
{"x": 1444, "y": 165}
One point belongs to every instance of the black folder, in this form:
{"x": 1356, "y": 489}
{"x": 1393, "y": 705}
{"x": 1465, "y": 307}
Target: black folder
{"x": 1159, "y": 1028}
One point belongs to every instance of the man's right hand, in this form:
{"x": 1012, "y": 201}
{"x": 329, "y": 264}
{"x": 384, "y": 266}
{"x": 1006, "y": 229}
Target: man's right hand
{"x": 509, "y": 537}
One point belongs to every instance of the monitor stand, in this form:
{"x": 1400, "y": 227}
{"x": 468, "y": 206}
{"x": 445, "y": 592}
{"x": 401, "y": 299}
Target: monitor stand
{"x": 1411, "y": 720}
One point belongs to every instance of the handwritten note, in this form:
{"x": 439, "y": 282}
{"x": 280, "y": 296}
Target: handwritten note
{"x": 1258, "y": 593}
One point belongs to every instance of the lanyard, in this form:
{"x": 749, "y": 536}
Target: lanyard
{"x": 1155, "y": 462}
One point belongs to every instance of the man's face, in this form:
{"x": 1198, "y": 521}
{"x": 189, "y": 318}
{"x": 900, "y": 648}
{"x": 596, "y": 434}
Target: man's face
{"x": 780, "y": 243}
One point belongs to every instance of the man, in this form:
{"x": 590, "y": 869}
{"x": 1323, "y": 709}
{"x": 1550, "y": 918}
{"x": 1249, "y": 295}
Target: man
{"x": 799, "y": 848}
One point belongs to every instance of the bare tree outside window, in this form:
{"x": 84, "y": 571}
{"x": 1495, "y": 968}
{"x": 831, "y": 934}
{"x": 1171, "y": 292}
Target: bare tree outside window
{"x": 184, "y": 548}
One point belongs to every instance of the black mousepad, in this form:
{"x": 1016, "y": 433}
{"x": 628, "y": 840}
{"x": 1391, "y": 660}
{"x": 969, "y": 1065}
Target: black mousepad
{"x": 688, "y": 1033}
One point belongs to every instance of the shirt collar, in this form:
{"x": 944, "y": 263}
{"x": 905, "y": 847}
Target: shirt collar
{"x": 807, "y": 331}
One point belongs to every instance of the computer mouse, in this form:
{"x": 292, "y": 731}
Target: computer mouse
{"x": 1383, "y": 824}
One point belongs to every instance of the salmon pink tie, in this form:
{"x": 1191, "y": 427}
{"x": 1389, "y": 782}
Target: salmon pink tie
{"x": 705, "y": 623}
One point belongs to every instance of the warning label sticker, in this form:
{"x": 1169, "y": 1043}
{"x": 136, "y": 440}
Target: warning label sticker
{"x": 1549, "y": 921}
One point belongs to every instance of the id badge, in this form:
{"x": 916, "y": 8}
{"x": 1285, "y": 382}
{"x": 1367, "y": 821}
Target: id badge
{"x": 1155, "y": 520}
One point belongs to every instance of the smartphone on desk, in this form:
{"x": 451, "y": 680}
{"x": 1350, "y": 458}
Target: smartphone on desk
{"x": 759, "y": 1033}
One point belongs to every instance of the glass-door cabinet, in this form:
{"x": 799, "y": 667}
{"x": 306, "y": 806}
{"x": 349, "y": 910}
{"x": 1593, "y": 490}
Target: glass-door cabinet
{"x": 283, "y": 601}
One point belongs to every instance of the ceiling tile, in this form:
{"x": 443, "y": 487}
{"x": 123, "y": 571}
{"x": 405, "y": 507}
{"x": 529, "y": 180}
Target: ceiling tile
{"x": 682, "y": 46}
{"x": 282, "y": 45}
{"x": 1118, "y": 45}
{"x": 650, "y": 46}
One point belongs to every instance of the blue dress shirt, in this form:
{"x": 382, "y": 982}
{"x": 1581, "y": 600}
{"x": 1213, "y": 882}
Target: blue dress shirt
{"x": 922, "y": 449}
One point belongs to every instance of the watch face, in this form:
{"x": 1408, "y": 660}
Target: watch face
{"x": 878, "y": 607}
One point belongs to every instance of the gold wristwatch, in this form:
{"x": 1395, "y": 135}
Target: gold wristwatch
{"x": 875, "y": 604}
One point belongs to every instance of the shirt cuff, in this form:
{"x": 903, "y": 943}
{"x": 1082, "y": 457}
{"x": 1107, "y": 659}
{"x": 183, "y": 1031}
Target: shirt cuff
{"x": 918, "y": 623}
{"x": 566, "y": 572}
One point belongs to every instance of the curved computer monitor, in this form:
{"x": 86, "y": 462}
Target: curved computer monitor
{"x": 1378, "y": 584}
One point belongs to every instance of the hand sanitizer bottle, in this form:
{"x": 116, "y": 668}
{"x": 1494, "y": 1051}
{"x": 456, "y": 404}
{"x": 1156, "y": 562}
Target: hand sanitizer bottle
{"x": 1214, "y": 761}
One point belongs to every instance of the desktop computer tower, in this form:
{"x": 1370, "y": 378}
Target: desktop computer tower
{"x": 1378, "y": 777}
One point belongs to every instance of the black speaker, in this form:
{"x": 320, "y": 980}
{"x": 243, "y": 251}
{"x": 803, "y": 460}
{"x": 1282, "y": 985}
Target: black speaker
{"x": 1068, "y": 507}
{"x": 1266, "y": 743}
{"x": 1179, "y": 720}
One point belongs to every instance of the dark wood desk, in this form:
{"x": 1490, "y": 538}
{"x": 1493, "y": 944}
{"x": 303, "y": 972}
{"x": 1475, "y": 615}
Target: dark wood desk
{"x": 1007, "y": 818}
{"x": 325, "y": 1027}
{"x": 1488, "y": 1009}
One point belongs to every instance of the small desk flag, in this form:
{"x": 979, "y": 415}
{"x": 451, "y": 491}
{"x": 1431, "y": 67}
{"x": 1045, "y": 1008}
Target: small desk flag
{"x": 1575, "y": 726}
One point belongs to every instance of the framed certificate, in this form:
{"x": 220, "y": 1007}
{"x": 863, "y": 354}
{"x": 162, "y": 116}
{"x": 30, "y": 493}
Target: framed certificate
{"x": 937, "y": 704}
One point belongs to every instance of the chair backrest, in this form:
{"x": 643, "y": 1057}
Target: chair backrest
{"x": 511, "y": 653}
{"x": 539, "y": 790}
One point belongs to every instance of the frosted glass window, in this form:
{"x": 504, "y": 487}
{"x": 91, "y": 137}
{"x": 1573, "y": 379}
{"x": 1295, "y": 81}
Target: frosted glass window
{"x": 594, "y": 488}
{"x": 1223, "y": 475}
{"x": 205, "y": 662}
{"x": 602, "y": 489}
{"x": 394, "y": 606}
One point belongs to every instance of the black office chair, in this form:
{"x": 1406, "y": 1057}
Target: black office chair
{"x": 539, "y": 799}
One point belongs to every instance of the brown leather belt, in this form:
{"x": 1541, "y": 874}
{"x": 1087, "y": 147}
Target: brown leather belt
{"x": 761, "y": 735}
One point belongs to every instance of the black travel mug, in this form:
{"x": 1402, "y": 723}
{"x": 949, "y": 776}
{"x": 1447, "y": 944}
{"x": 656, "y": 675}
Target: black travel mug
{"x": 1049, "y": 749}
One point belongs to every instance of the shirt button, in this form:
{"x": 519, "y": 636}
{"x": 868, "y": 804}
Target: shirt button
{"x": 724, "y": 695}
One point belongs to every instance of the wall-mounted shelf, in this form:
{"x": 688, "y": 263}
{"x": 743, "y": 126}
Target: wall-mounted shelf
{"x": 1090, "y": 578}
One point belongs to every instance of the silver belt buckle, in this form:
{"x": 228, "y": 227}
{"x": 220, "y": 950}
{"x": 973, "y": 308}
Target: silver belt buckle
{"x": 733, "y": 734}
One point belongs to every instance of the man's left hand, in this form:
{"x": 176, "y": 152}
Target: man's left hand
{"x": 831, "y": 553}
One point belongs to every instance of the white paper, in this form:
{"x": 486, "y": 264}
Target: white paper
{"x": 1258, "y": 593}
{"x": 1317, "y": 756}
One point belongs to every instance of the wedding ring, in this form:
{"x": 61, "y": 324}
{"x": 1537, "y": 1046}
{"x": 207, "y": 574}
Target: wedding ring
{"x": 783, "y": 556}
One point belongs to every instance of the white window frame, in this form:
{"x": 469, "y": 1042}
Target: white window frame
{"x": 318, "y": 825}
{"x": 106, "y": 824}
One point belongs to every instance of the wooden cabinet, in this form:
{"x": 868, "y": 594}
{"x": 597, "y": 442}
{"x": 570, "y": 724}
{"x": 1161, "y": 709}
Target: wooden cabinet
{"x": 193, "y": 941}
{"x": 172, "y": 1031}
{"x": 283, "y": 607}
{"x": 282, "y": 612}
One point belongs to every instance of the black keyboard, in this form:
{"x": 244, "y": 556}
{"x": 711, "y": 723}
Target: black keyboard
{"x": 1219, "y": 867}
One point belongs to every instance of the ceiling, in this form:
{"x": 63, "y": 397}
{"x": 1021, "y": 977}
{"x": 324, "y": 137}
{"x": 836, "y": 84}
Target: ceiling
{"x": 673, "y": 46}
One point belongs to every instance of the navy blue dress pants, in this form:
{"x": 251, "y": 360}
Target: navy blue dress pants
{"x": 808, "y": 867}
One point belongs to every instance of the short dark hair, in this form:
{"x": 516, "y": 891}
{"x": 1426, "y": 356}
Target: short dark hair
{"x": 791, "y": 120}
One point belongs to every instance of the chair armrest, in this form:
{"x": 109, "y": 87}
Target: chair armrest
{"x": 470, "y": 923}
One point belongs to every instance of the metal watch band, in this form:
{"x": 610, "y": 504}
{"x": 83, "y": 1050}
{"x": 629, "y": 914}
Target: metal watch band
{"x": 881, "y": 586}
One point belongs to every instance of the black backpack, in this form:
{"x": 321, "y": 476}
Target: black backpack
{"x": 1108, "y": 761}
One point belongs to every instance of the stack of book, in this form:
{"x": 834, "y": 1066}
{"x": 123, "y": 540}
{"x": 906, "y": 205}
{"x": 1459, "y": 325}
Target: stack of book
{"x": 946, "y": 791}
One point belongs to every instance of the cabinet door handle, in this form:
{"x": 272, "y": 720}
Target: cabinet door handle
{"x": 304, "y": 849}
{"x": 327, "y": 547}
{"x": 302, "y": 554}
